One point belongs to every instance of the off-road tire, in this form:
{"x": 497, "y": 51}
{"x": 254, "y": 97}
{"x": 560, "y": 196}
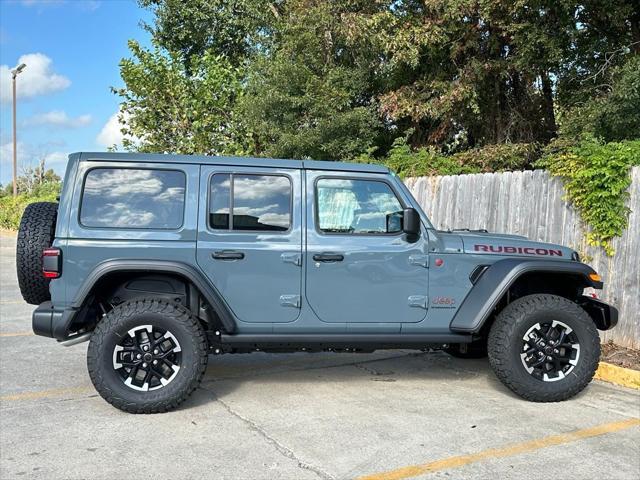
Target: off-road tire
{"x": 159, "y": 313}
{"x": 505, "y": 344}
{"x": 36, "y": 232}
{"x": 472, "y": 350}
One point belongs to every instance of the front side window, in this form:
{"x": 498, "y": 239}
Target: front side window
{"x": 357, "y": 207}
{"x": 133, "y": 198}
{"x": 250, "y": 202}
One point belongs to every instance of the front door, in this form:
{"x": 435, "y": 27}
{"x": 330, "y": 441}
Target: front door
{"x": 250, "y": 240}
{"x": 360, "y": 267}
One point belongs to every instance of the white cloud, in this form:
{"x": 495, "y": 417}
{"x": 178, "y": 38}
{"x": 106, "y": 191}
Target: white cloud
{"x": 36, "y": 79}
{"x": 111, "y": 134}
{"x": 57, "y": 119}
{"x": 29, "y": 156}
{"x": 57, "y": 161}
{"x": 249, "y": 188}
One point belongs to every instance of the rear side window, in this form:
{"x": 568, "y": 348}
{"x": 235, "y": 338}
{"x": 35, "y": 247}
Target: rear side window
{"x": 250, "y": 202}
{"x": 133, "y": 198}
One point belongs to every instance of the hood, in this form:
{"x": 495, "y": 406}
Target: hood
{"x": 485, "y": 243}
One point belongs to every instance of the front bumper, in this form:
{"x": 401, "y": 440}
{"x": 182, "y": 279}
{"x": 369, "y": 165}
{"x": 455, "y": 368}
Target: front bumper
{"x": 605, "y": 316}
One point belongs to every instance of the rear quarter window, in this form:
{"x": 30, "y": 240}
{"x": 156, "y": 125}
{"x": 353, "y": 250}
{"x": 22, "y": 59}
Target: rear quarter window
{"x": 133, "y": 199}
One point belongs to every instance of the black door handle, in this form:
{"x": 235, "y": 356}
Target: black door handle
{"x": 227, "y": 255}
{"x": 328, "y": 257}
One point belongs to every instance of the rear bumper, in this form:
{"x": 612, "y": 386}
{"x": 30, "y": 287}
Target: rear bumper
{"x": 46, "y": 321}
{"x": 605, "y": 316}
{"x": 42, "y": 320}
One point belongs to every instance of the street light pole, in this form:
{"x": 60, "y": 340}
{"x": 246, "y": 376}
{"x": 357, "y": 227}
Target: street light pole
{"x": 14, "y": 74}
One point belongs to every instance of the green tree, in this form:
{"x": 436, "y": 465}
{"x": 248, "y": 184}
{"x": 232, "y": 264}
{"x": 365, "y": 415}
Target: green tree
{"x": 232, "y": 28}
{"x": 340, "y": 78}
{"x": 614, "y": 114}
{"x": 312, "y": 96}
{"x": 170, "y": 109}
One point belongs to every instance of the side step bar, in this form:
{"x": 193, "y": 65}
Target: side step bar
{"x": 321, "y": 340}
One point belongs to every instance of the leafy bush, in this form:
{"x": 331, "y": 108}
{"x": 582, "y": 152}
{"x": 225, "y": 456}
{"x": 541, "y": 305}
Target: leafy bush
{"x": 11, "y": 207}
{"x": 596, "y": 179}
{"x": 407, "y": 162}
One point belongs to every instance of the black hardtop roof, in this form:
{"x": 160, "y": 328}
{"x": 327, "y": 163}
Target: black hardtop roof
{"x": 236, "y": 161}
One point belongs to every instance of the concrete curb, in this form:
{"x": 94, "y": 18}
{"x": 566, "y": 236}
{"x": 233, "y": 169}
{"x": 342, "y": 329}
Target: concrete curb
{"x": 625, "y": 377}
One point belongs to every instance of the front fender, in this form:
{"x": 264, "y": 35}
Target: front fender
{"x": 496, "y": 280}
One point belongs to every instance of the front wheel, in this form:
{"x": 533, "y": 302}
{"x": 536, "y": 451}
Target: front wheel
{"x": 147, "y": 356}
{"x": 544, "y": 348}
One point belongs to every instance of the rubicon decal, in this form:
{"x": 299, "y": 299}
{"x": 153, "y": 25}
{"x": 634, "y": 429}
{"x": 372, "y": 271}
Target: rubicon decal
{"x": 521, "y": 250}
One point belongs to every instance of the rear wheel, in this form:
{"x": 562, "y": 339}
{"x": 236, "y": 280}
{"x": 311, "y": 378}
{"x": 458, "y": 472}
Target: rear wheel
{"x": 147, "y": 356}
{"x": 545, "y": 348}
{"x": 36, "y": 232}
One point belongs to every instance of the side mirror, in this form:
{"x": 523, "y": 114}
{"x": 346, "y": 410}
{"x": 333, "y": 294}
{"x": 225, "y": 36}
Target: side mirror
{"x": 411, "y": 221}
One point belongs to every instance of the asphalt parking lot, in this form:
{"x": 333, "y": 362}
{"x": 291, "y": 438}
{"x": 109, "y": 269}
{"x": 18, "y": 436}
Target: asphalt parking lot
{"x": 392, "y": 414}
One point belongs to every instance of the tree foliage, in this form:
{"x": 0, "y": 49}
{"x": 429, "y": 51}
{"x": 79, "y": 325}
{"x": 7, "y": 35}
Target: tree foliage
{"x": 596, "y": 179}
{"x": 336, "y": 79}
{"x": 171, "y": 109}
{"x": 311, "y": 95}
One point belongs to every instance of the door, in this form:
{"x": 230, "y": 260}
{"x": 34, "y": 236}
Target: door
{"x": 360, "y": 267}
{"x": 250, "y": 240}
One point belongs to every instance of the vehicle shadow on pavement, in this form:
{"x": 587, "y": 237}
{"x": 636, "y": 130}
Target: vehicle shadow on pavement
{"x": 228, "y": 373}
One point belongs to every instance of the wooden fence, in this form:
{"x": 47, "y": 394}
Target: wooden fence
{"x": 531, "y": 203}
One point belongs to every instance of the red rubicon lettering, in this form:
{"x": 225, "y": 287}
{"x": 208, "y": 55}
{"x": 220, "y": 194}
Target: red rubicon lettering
{"x": 520, "y": 250}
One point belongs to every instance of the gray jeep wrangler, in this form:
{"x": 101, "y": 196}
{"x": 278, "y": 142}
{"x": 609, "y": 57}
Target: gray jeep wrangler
{"x": 161, "y": 260}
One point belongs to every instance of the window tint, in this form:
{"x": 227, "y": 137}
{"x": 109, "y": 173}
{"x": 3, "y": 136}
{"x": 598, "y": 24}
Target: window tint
{"x": 133, "y": 198}
{"x": 258, "y": 202}
{"x": 220, "y": 203}
{"x": 357, "y": 206}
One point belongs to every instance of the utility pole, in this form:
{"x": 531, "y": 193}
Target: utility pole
{"x": 14, "y": 74}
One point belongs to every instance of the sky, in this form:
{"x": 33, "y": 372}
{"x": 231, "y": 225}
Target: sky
{"x": 72, "y": 49}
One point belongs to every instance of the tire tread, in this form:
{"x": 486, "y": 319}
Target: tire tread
{"x": 133, "y": 308}
{"x": 503, "y": 333}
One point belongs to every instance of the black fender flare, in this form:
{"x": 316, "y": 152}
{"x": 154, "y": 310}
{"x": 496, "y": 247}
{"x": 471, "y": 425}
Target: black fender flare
{"x": 494, "y": 282}
{"x": 159, "y": 266}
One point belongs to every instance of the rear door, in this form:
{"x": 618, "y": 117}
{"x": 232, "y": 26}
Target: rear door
{"x": 250, "y": 240}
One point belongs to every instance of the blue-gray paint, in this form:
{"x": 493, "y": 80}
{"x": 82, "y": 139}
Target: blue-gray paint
{"x": 385, "y": 284}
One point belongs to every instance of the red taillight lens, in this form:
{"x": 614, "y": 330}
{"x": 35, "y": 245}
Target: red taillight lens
{"x": 52, "y": 263}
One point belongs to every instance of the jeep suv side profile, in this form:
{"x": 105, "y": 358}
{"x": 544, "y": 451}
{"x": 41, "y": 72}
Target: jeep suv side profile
{"x": 161, "y": 260}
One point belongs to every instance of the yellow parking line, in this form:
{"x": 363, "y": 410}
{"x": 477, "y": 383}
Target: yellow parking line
{"x": 58, "y": 392}
{"x": 509, "y": 450}
{"x": 12, "y": 302}
{"x": 16, "y": 334}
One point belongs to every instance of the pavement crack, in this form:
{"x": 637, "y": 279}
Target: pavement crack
{"x": 280, "y": 448}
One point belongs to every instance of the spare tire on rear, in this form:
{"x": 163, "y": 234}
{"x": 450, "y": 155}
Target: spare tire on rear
{"x": 36, "y": 232}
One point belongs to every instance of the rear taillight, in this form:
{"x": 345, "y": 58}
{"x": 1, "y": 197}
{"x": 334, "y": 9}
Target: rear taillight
{"x": 52, "y": 263}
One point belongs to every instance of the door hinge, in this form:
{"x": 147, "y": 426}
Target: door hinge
{"x": 418, "y": 301}
{"x": 290, "y": 301}
{"x": 419, "y": 260}
{"x": 295, "y": 258}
